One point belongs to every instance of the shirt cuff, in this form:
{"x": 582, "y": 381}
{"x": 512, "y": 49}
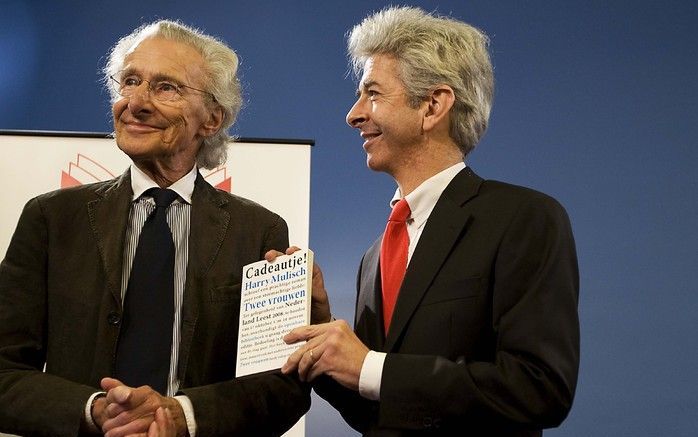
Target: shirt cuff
{"x": 91, "y": 425}
{"x": 188, "y": 409}
{"x": 370, "y": 377}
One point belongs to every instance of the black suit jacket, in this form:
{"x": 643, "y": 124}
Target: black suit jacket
{"x": 60, "y": 305}
{"x": 484, "y": 338}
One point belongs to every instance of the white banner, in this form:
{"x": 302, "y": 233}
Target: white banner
{"x": 275, "y": 174}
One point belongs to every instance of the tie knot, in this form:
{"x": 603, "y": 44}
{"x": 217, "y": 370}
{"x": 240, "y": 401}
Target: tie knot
{"x": 400, "y": 211}
{"x": 163, "y": 197}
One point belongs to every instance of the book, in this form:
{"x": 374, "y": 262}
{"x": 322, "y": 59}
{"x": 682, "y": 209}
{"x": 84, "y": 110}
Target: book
{"x": 274, "y": 299}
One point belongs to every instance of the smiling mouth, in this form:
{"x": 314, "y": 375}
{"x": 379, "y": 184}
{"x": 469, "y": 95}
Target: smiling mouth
{"x": 368, "y": 137}
{"x": 136, "y": 127}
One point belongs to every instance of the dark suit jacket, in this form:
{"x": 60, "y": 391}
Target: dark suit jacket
{"x": 484, "y": 338}
{"x": 60, "y": 304}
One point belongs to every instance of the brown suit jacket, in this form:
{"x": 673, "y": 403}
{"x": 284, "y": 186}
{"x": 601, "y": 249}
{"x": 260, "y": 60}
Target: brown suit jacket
{"x": 484, "y": 338}
{"x": 60, "y": 305}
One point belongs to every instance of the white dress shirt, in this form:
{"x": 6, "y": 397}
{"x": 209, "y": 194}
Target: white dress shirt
{"x": 421, "y": 201}
{"x": 178, "y": 218}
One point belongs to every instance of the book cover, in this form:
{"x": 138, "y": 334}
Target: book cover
{"x": 275, "y": 298}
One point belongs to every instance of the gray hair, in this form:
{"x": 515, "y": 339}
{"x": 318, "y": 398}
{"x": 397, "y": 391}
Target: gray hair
{"x": 432, "y": 50}
{"x": 221, "y": 64}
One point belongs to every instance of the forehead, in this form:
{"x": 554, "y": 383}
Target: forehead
{"x": 159, "y": 56}
{"x": 381, "y": 70}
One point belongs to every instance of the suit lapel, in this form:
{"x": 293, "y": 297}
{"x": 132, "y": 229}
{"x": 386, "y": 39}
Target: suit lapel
{"x": 369, "y": 315}
{"x": 109, "y": 219}
{"x": 444, "y": 228}
{"x": 208, "y": 225}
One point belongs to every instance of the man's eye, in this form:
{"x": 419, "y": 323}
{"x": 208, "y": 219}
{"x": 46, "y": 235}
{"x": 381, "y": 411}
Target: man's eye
{"x": 372, "y": 94}
{"x": 130, "y": 81}
{"x": 166, "y": 87}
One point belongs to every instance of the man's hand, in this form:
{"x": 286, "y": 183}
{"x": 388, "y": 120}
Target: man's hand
{"x": 320, "y": 303}
{"x": 163, "y": 426}
{"x": 98, "y": 411}
{"x": 331, "y": 348}
{"x": 133, "y": 410}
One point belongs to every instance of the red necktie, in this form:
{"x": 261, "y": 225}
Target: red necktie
{"x": 393, "y": 259}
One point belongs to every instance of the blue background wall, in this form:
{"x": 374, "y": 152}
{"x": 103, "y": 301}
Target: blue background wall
{"x": 596, "y": 104}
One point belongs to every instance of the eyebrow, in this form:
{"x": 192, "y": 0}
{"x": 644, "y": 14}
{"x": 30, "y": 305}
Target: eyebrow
{"x": 365, "y": 85}
{"x": 157, "y": 77}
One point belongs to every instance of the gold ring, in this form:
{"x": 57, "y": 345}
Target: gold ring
{"x": 311, "y": 355}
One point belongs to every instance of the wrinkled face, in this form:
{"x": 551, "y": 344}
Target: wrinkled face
{"x": 171, "y": 131}
{"x": 390, "y": 127}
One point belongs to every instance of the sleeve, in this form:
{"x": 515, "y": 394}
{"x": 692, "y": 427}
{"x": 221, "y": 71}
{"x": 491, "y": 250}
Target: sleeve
{"x": 358, "y": 411}
{"x": 371, "y": 373}
{"x": 530, "y": 381}
{"x": 263, "y": 404}
{"x": 266, "y": 404}
{"x": 31, "y": 402}
{"x": 189, "y": 417}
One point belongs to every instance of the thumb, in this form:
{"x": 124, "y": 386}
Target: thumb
{"x": 110, "y": 383}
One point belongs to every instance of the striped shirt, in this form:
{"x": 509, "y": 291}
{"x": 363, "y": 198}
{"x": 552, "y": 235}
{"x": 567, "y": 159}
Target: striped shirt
{"x": 178, "y": 214}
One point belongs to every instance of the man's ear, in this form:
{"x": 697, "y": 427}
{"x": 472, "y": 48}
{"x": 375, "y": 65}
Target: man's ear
{"x": 214, "y": 122}
{"x": 438, "y": 105}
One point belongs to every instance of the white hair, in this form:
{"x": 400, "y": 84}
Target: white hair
{"x": 432, "y": 50}
{"x": 221, "y": 65}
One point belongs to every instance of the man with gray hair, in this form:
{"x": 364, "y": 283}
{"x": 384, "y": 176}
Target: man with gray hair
{"x": 466, "y": 316}
{"x": 119, "y": 300}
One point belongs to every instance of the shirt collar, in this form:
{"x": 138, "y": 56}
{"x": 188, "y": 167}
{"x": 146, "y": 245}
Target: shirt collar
{"x": 423, "y": 199}
{"x": 184, "y": 187}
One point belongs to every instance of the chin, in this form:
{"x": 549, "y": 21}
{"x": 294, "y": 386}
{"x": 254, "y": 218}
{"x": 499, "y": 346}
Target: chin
{"x": 133, "y": 148}
{"x": 375, "y": 164}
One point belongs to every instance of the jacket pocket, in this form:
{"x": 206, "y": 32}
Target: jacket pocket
{"x": 225, "y": 293}
{"x": 445, "y": 289}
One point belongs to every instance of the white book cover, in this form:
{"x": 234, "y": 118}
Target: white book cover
{"x": 275, "y": 298}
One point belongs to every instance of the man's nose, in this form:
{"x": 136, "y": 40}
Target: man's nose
{"x": 140, "y": 98}
{"x": 357, "y": 114}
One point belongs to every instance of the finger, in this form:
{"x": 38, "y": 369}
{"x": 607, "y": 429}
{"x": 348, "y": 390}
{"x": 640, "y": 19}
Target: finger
{"x": 296, "y": 335}
{"x": 318, "y": 278}
{"x": 271, "y": 255}
{"x": 120, "y": 394}
{"x": 308, "y": 360}
{"x": 153, "y": 430}
{"x": 114, "y": 409}
{"x": 137, "y": 426}
{"x": 166, "y": 423}
{"x": 109, "y": 383}
{"x": 291, "y": 363}
{"x": 305, "y": 333}
{"x": 317, "y": 271}
{"x": 159, "y": 427}
{"x": 292, "y": 249}
{"x": 315, "y": 370}
{"x": 121, "y": 414}
{"x": 294, "y": 359}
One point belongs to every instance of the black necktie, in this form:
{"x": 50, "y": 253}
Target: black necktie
{"x": 145, "y": 342}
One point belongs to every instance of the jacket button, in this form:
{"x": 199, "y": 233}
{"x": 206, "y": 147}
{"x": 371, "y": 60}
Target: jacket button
{"x": 114, "y": 318}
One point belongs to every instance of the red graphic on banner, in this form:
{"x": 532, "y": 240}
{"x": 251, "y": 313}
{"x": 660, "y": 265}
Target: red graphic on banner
{"x": 68, "y": 181}
{"x": 86, "y": 170}
{"x": 219, "y": 178}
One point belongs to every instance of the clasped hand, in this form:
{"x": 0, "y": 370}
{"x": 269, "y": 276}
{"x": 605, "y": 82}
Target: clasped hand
{"x": 141, "y": 411}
